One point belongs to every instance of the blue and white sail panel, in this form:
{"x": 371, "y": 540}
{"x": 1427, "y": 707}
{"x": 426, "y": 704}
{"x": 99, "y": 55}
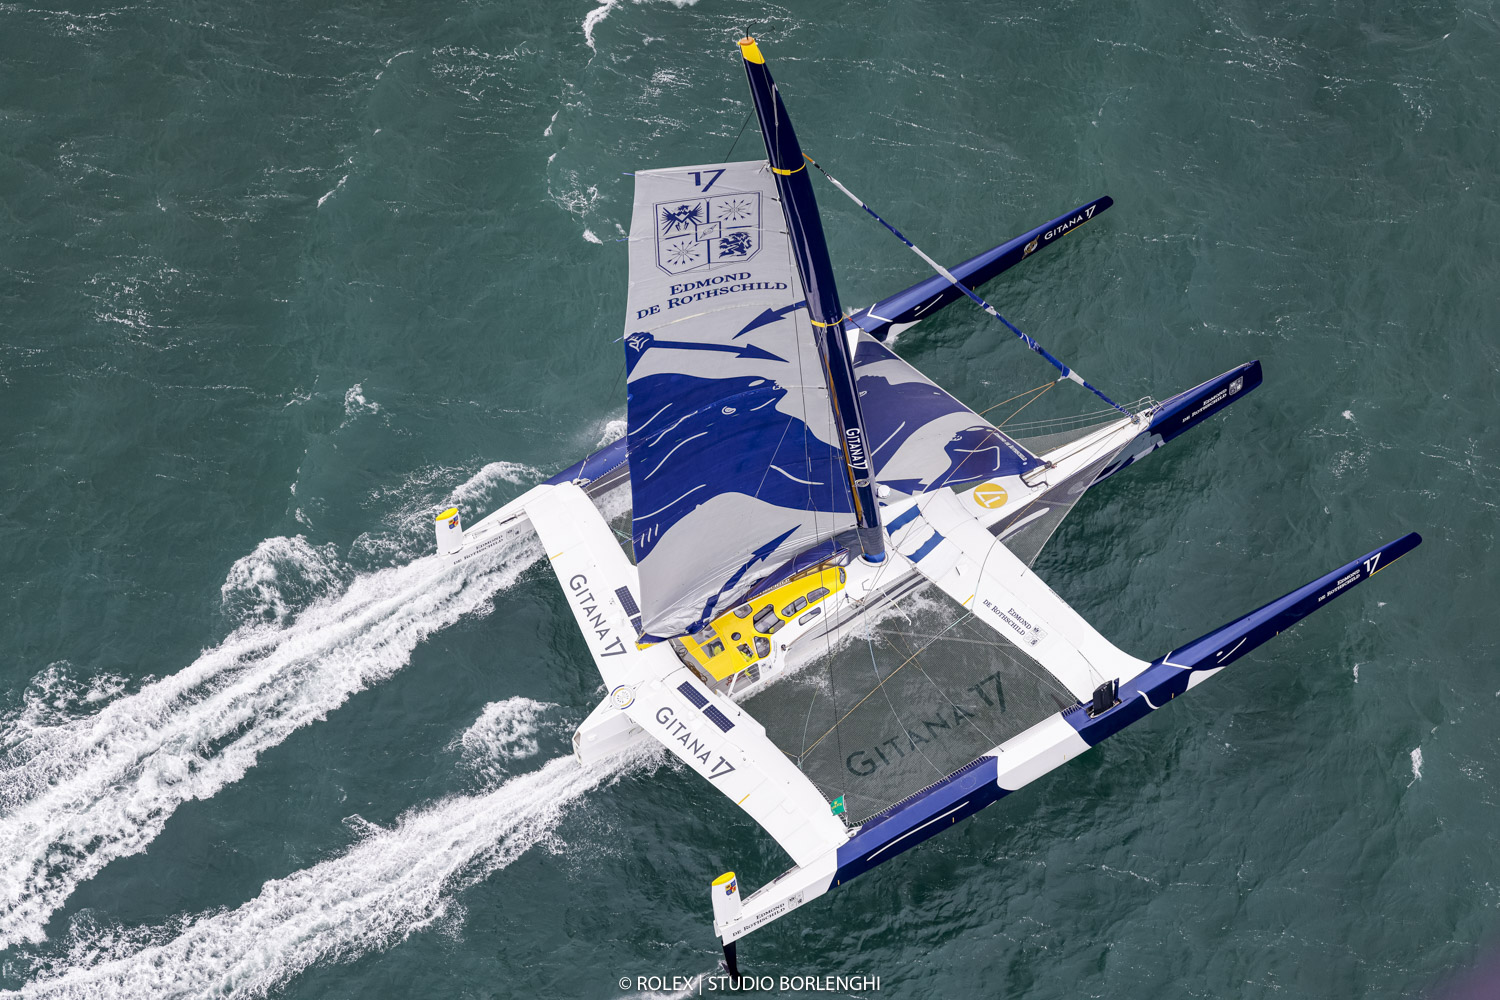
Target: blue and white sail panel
{"x": 734, "y": 461}
{"x": 921, "y": 438}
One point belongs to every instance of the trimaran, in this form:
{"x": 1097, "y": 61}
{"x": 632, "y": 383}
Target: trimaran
{"x": 830, "y": 613}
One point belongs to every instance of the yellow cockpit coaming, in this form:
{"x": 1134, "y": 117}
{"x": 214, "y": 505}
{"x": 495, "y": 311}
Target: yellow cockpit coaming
{"x": 741, "y": 638}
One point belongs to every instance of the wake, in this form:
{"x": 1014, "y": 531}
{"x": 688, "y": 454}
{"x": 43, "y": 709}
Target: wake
{"x": 395, "y": 882}
{"x": 82, "y": 793}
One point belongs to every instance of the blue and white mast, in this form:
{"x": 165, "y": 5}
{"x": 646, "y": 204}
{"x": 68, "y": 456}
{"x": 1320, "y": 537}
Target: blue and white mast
{"x": 805, "y": 228}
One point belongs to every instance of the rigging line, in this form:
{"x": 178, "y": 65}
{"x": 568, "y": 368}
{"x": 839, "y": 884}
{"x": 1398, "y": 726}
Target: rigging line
{"x": 917, "y": 635}
{"x": 806, "y": 722}
{"x": 806, "y": 459}
{"x": 1016, "y": 658}
{"x": 963, "y": 619}
{"x": 1040, "y": 391}
{"x": 798, "y": 339}
{"x": 1033, "y": 399}
{"x": 737, "y": 138}
{"x": 767, "y": 472}
{"x": 1044, "y": 385}
{"x": 802, "y": 389}
{"x": 1053, "y": 424}
{"x": 898, "y": 720}
{"x": 989, "y": 739}
{"x": 619, "y": 375}
{"x": 807, "y": 447}
{"x": 1067, "y": 372}
{"x": 877, "y": 687}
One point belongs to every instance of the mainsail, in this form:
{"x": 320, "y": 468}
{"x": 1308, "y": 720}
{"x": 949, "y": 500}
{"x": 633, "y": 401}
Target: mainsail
{"x": 734, "y": 460}
{"x": 748, "y": 435}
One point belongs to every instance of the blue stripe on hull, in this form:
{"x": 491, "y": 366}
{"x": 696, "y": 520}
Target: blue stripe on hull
{"x": 1167, "y": 677}
{"x": 1223, "y": 646}
{"x": 1139, "y": 697}
{"x": 1188, "y": 409}
{"x": 1185, "y": 411}
{"x": 930, "y": 811}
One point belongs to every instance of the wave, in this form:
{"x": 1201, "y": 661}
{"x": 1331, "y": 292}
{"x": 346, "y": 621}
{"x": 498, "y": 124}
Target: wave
{"x": 281, "y": 575}
{"x": 385, "y": 888}
{"x": 80, "y": 793}
{"x": 592, "y": 19}
{"x": 504, "y": 732}
{"x": 408, "y": 507}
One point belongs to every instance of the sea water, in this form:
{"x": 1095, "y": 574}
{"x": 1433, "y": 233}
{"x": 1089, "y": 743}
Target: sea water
{"x": 280, "y": 278}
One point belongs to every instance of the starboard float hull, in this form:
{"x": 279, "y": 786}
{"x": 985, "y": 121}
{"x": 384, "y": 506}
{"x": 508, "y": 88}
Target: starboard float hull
{"x": 1052, "y": 743}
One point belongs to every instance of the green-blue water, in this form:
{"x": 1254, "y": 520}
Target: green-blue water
{"x": 279, "y": 277}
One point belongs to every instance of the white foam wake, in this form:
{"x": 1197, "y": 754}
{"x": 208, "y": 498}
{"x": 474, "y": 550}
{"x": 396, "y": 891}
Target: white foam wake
{"x": 393, "y": 883}
{"x": 504, "y": 732}
{"x": 84, "y": 792}
{"x": 592, "y": 18}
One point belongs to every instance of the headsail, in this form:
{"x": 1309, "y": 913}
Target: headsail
{"x": 923, "y": 439}
{"x": 734, "y": 460}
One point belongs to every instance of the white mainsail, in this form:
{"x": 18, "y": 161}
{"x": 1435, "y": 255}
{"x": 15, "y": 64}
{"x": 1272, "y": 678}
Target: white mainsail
{"x": 733, "y": 458}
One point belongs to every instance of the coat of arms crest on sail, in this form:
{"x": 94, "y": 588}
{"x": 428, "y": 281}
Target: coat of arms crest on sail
{"x": 722, "y": 229}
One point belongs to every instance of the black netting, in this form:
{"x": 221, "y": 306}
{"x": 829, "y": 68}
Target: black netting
{"x": 919, "y": 695}
{"x": 925, "y": 688}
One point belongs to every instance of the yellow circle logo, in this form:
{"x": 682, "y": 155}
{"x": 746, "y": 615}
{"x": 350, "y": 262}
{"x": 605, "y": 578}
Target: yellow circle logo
{"x": 990, "y": 495}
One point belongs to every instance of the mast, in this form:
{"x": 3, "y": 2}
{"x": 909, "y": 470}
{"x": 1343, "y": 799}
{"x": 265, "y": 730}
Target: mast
{"x": 805, "y": 229}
